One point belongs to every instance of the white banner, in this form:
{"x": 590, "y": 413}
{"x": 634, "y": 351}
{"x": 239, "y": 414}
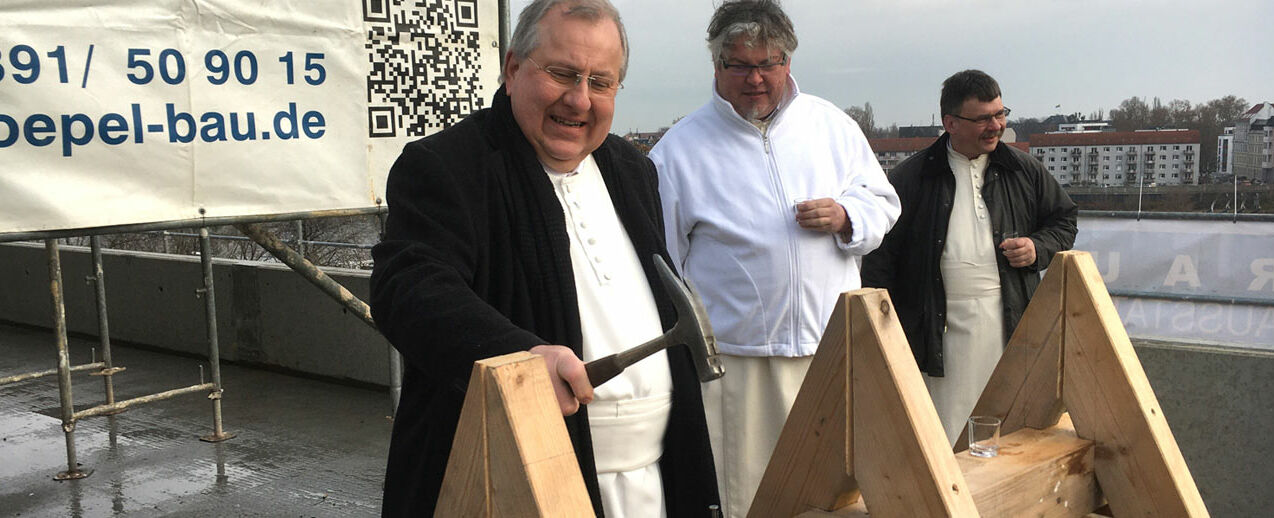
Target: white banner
{"x": 1179, "y": 276}
{"x": 159, "y": 110}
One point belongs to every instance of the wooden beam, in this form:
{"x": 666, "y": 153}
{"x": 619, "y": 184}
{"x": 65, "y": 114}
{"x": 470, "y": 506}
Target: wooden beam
{"x": 1046, "y": 474}
{"x": 1038, "y": 473}
{"x": 809, "y": 466}
{"x": 466, "y": 486}
{"x": 901, "y": 456}
{"x": 1137, "y": 461}
{"x": 511, "y": 455}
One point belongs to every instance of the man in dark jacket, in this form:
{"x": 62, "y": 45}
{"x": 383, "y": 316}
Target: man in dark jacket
{"x": 528, "y": 227}
{"x": 965, "y": 198}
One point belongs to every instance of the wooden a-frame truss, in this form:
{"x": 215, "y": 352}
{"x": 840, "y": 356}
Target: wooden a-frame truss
{"x": 863, "y": 434}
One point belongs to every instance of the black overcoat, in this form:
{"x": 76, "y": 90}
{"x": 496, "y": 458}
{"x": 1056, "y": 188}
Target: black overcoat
{"x": 1020, "y": 195}
{"x": 475, "y": 263}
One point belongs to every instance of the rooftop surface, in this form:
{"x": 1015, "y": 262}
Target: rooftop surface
{"x": 311, "y": 448}
{"x": 303, "y": 447}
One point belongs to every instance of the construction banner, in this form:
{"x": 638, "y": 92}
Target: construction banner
{"x": 137, "y": 111}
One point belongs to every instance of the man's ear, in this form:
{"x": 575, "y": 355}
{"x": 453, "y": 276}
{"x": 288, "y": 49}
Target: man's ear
{"x": 511, "y": 65}
{"x": 948, "y": 122}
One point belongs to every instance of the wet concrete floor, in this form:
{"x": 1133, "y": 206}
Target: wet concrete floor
{"x": 303, "y": 447}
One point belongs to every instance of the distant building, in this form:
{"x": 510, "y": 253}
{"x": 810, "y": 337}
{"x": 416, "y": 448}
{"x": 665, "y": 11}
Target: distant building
{"x": 919, "y": 131}
{"x": 891, "y": 151}
{"x": 645, "y": 138}
{"x": 1163, "y": 157}
{"x": 1085, "y": 127}
{"x": 1253, "y": 136}
{"x": 1225, "y": 152}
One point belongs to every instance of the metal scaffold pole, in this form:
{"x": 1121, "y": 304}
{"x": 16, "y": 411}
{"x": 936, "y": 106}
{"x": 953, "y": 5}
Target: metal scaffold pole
{"x": 312, "y": 273}
{"x": 73, "y": 470}
{"x": 214, "y": 356}
{"x": 98, "y": 279}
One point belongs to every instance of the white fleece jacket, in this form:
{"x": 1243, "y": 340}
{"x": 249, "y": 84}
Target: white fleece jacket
{"x": 728, "y": 191}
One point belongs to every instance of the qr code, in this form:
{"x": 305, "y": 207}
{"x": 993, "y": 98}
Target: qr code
{"x": 425, "y": 65}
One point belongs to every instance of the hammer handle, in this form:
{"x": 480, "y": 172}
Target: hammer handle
{"x": 602, "y": 370}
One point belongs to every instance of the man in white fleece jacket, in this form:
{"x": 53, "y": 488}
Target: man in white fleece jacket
{"x": 770, "y": 198}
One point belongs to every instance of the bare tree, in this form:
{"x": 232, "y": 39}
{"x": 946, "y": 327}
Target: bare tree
{"x": 1132, "y": 114}
{"x": 865, "y": 117}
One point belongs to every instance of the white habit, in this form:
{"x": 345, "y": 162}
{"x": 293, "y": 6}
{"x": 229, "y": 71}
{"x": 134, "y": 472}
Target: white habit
{"x": 974, "y": 337}
{"x": 629, "y": 414}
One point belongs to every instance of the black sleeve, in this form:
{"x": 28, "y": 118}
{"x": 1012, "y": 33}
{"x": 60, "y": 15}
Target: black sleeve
{"x": 1056, "y": 216}
{"x": 881, "y": 265}
{"x": 422, "y": 295}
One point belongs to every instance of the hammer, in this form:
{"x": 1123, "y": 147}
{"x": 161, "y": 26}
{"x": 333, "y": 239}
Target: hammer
{"x": 692, "y": 330}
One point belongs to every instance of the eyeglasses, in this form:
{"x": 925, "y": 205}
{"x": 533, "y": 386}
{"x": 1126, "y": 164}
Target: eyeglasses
{"x": 569, "y": 77}
{"x": 999, "y": 116}
{"x": 741, "y": 70}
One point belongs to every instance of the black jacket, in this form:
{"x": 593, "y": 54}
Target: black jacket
{"x": 476, "y": 263}
{"x": 1019, "y": 194}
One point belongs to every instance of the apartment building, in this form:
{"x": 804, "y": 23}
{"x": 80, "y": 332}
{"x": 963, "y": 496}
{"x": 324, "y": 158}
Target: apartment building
{"x": 1254, "y": 143}
{"x": 1225, "y": 152}
{"x": 892, "y": 151}
{"x": 1151, "y": 157}
{"x": 1084, "y": 127}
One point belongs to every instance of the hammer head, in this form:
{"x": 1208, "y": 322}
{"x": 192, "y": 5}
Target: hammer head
{"x": 692, "y": 328}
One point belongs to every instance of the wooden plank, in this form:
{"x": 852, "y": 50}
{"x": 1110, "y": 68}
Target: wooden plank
{"x": 544, "y": 457}
{"x": 1045, "y": 474}
{"x": 1019, "y": 390}
{"x": 855, "y": 510}
{"x": 902, "y": 461}
{"x": 527, "y": 463}
{"x": 1137, "y": 461}
{"x": 1039, "y": 401}
{"x": 808, "y": 468}
{"x": 1038, "y": 473}
{"x": 465, "y": 485}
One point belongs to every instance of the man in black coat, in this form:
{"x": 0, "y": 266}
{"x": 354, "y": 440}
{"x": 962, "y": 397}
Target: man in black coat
{"x": 980, "y": 220}
{"x": 488, "y": 251}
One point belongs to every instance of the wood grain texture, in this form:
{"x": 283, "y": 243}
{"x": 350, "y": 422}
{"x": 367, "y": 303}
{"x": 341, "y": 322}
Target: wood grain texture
{"x": 516, "y": 458}
{"x": 902, "y": 461}
{"x": 1070, "y": 352}
{"x": 466, "y": 486}
{"x": 1038, "y": 473}
{"x": 1137, "y": 460}
{"x": 809, "y": 467}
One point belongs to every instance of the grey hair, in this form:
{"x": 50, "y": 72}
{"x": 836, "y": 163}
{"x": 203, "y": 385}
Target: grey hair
{"x": 526, "y": 36}
{"x": 755, "y": 23}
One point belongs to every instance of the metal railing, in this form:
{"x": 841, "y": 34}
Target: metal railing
{"x": 254, "y": 232}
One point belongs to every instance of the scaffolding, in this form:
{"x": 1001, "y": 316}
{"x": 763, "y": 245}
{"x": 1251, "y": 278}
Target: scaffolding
{"x": 251, "y": 226}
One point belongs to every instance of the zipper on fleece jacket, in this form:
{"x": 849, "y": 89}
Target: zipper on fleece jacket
{"x": 793, "y": 249}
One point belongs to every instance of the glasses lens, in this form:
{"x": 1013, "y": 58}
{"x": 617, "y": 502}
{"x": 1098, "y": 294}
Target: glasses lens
{"x": 740, "y": 70}
{"x": 564, "y": 76}
{"x": 600, "y": 84}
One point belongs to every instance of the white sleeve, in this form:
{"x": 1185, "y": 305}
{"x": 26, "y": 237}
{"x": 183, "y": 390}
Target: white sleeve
{"x": 869, "y": 199}
{"x": 676, "y": 231}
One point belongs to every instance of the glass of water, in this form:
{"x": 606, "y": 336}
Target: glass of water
{"x": 984, "y": 436}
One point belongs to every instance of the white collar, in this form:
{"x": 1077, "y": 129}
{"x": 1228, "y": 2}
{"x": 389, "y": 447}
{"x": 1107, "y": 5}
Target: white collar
{"x": 726, "y": 108}
{"x": 959, "y": 157}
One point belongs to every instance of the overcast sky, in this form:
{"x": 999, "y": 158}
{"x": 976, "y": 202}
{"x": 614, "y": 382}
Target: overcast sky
{"x": 1084, "y": 55}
